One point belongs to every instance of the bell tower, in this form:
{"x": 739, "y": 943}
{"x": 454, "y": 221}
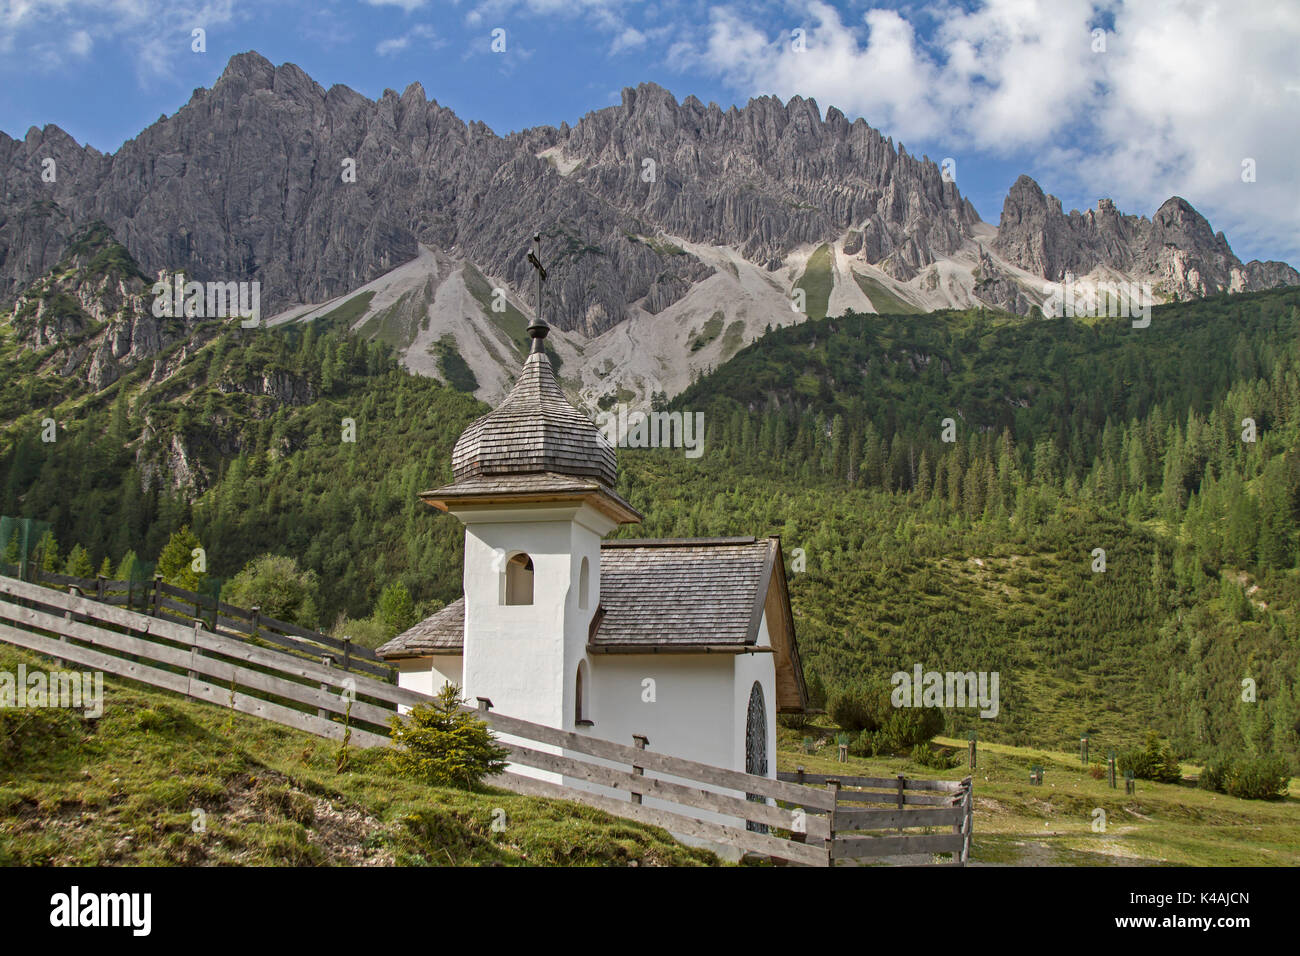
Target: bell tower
{"x": 534, "y": 487}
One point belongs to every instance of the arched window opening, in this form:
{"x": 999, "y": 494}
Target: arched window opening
{"x": 581, "y": 713}
{"x": 756, "y": 745}
{"x": 584, "y": 585}
{"x": 519, "y": 579}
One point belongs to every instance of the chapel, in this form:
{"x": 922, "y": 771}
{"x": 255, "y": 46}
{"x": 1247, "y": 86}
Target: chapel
{"x": 688, "y": 643}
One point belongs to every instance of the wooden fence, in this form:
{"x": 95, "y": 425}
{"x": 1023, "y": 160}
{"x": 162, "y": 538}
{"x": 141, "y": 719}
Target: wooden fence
{"x": 866, "y": 808}
{"x": 160, "y": 599}
{"x": 805, "y": 823}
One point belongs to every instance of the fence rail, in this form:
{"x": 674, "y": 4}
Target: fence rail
{"x": 916, "y": 805}
{"x": 806, "y": 824}
{"x": 160, "y": 599}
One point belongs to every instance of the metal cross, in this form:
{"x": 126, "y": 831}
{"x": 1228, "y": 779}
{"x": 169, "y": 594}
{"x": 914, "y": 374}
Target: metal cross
{"x": 538, "y": 327}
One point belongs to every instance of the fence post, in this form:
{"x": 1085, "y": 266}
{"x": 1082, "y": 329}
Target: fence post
{"x": 347, "y": 652}
{"x": 970, "y": 820}
{"x": 902, "y": 785}
{"x": 255, "y": 612}
{"x": 191, "y": 674}
{"x": 834, "y": 787}
{"x": 640, "y": 741}
{"x": 99, "y": 587}
{"x": 157, "y": 594}
{"x": 972, "y": 750}
{"x": 326, "y": 660}
{"x": 959, "y": 801}
{"x": 76, "y": 592}
{"x": 1110, "y": 769}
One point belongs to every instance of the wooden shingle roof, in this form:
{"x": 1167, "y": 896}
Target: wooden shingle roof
{"x": 679, "y": 596}
{"x": 441, "y": 633}
{"x": 679, "y": 593}
{"x": 534, "y": 430}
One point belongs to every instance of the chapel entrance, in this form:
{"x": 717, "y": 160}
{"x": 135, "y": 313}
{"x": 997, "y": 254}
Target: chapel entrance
{"x": 756, "y": 745}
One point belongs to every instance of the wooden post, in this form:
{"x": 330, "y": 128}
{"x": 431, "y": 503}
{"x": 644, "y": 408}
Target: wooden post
{"x": 959, "y": 827}
{"x": 255, "y": 613}
{"x": 834, "y": 787}
{"x": 347, "y": 652}
{"x": 99, "y": 587}
{"x": 640, "y": 741}
{"x": 1083, "y": 751}
{"x": 73, "y": 590}
{"x": 1110, "y": 769}
{"x": 194, "y": 650}
{"x": 326, "y": 661}
{"x": 971, "y": 749}
{"x": 800, "y": 837}
{"x": 970, "y": 820}
{"x": 902, "y": 784}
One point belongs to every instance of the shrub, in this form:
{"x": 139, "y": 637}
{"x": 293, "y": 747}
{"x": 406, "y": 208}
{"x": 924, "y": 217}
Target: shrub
{"x": 1096, "y": 771}
{"x": 275, "y": 584}
{"x": 1154, "y": 761}
{"x": 1257, "y": 778}
{"x": 443, "y": 745}
{"x": 936, "y": 758}
{"x": 902, "y": 728}
{"x": 793, "y": 721}
{"x": 860, "y": 707}
{"x": 1214, "y": 776}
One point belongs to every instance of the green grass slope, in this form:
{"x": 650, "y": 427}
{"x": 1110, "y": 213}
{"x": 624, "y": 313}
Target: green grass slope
{"x": 1016, "y": 823}
{"x": 124, "y": 790}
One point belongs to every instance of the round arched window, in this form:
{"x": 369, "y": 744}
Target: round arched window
{"x": 519, "y": 579}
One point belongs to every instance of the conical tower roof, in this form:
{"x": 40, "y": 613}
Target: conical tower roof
{"x": 535, "y": 430}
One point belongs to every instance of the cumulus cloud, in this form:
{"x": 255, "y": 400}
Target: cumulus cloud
{"x": 421, "y": 31}
{"x": 1181, "y": 94}
{"x": 156, "y": 31}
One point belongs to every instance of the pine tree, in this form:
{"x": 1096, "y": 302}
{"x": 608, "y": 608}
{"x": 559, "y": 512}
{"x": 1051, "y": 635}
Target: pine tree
{"x": 79, "y": 563}
{"x": 49, "y": 550}
{"x": 176, "y": 562}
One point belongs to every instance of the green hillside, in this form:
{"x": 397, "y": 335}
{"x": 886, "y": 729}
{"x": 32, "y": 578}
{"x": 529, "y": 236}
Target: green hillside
{"x": 159, "y": 780}
{"x": 902, "y": 548}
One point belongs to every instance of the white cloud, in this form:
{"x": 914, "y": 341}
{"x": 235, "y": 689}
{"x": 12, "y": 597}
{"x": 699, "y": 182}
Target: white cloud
{"x": 80, "y": 43}
{"x": 630, "y": 39}
{"x": 1183, "y": 93}
{"x": 607, "y": 15}
{"x": 155, "y": 31}
{"x": 406, "y": 5}
{"x": 420, "y": 31}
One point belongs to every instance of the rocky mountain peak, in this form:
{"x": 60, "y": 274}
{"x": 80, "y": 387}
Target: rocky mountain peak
{"x": 244, "y": 183}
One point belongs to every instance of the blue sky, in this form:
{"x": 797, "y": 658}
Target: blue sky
{"x": 1133, "y": 101}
